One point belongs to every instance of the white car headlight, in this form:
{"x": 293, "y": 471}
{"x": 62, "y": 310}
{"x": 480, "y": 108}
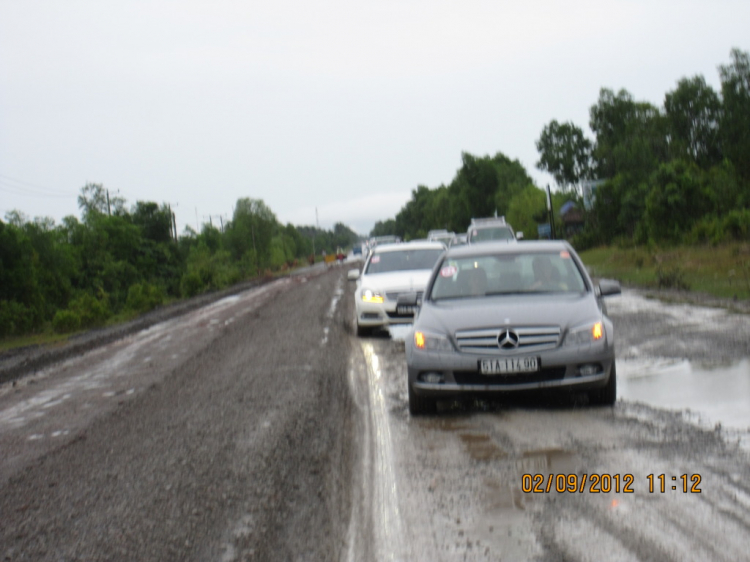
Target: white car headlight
{"x": 587, "y": 334}
{"x": 426, "y": 341}
{"x": 369, "y": 295}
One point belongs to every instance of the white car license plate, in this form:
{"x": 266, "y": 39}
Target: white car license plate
{"x": 406, "y": 309}
{"x": 508, "y": 365}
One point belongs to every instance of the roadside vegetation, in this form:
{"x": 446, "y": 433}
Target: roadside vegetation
{"x": 116, "y": 263}
{"x": 660, "y": 196}
{"x": 722, "y": 271}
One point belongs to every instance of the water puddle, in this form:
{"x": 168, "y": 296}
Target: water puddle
{"x": 719, "y": 394}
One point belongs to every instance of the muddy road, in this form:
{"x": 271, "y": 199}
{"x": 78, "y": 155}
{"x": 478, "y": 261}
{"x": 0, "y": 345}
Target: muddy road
{"x": 260, "y": 427}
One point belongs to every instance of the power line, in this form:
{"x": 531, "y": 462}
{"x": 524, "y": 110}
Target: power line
{"x": 17, "y": 186}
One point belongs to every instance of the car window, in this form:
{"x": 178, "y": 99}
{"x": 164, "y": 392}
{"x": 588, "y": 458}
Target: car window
{"x": 553, "y": 272}
{"x": 489, "y": 234}
{"x": 403, "y": 260}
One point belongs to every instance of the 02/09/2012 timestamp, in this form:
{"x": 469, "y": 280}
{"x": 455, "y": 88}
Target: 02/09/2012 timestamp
{"x": 606, "y": 483}
{"x": 686, "y": 483}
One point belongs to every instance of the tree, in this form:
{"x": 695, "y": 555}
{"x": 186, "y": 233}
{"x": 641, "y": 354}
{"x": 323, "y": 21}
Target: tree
{"x": 630, "y": 136}
{"x": 565, "y": 153}
{"x": 735, "y": 121}
{"x": 525, "y": 211}
{"x": 155, "y": 223}
{"x": 693, "y": 112}
{"x": 676, "y": 201}
{"x": 95, "y": 199}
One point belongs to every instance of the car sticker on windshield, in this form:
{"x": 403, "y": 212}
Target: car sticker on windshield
{"x": 375, "y": 259}
{"x": 565, "y": 255}
{"x": 448, "y": 271}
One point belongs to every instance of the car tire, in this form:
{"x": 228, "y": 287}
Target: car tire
{"x": 421, "y": 405}
{"x": 607, "y": 395}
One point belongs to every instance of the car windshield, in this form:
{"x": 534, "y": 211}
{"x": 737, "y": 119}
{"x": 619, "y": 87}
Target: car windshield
{"x": 532, "y": 272}
{"x": 489, "y": 234}
{"x": 403, "y": 260}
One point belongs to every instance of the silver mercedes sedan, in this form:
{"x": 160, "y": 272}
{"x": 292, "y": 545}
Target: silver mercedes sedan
{"x": 498, "y": 318}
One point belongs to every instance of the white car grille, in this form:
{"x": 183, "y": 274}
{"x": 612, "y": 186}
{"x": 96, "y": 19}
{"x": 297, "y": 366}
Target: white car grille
{"x": 508, "y": 340}
{"x": 394, "y": 295}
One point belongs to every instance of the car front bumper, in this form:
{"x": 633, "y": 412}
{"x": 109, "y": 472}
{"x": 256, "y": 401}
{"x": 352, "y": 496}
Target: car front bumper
{"x": 459, "y": 373}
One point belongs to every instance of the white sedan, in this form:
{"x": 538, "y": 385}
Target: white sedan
{"x": 390, "y": 271}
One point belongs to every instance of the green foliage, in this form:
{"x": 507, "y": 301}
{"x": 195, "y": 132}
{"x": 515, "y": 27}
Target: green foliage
{"x": 92, "y": 311}
{"x": 671, "y": 278}
{"x": 693, "y": 112}
{"x": 735, "y": 121}
{"x": 565, "y": 153}
{"x": 482, "y": 187}
{"x": 676, "y": 200}
{"x": 16, "y": 318}
{"x": 143, "y": 297}
{"x": 66, "y": 321}
{"x": 526, "y": 210}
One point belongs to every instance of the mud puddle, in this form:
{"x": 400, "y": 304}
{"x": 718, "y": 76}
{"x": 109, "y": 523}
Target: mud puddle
{"x": 718, "y": 394}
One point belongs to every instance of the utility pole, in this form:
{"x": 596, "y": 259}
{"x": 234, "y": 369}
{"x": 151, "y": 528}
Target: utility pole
{"x": 551, "y": 214}
{"x": 315, "y": 232}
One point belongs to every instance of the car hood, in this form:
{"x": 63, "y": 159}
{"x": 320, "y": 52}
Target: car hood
{"x": 412, "y": 280}
{"x": 454, "y": 315}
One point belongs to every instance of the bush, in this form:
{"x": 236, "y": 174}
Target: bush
{"x": 673, "y": 278}
{"x": 191, "y": 284}
{"x": 16, "y": 319}
{"x": 66, "y": 321}
{"x": 143, "y": 297}
{"x": 91, "y": 311}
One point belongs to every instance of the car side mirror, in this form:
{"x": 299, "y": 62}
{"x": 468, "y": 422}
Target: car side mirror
{"x": 519, "y": 235}
{"x": 609, "y": 287}
{"x": 352, "y": 274}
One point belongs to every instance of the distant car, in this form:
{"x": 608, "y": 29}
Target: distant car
{"x": 499, "y": 318}
{"x": 491, "y": 230}
{"x": 441, "y": 236}
{"x": 390, "y": 271}
{"x": 386, "y": 239}
{"x": 357, "y": 250}
{"x": 459, "y": 240}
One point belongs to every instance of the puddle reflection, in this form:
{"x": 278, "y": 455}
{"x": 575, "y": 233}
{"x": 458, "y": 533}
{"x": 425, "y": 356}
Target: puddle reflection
{"x": 720, "y": 394}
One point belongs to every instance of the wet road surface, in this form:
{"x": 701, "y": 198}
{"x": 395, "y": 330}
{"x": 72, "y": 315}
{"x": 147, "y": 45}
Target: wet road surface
{"x": 262, "y": 428}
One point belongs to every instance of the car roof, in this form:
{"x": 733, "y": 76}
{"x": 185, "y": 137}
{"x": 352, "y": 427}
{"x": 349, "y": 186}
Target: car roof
{"x": 403, "y": 246}
{"x": 508, "y": 247}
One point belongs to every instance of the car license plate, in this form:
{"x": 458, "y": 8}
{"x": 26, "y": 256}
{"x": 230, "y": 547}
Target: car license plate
{"x": 508, "y": 365}
{"x": 403, "y": 309}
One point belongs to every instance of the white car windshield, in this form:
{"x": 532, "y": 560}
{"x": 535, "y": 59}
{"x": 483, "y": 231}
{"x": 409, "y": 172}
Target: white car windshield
{"x": 533, "y": 272}
{"x": 403, "y": 260}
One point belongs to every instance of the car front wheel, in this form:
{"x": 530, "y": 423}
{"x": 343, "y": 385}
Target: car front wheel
{"x": 607, "y": 395}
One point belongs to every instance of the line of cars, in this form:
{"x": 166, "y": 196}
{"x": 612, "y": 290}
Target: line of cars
{"x": 492, "y": 316}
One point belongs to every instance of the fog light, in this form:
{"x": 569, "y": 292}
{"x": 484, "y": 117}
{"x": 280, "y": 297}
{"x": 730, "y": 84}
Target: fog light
{"x": 589, "y": 369}
{"x": 432, "y": 378}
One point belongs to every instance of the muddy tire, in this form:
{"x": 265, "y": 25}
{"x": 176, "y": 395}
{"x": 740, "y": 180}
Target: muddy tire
{"x": 421, "y": 405}
{"x": 607, "y": 395}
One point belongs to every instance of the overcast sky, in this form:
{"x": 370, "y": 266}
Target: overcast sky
{"x": 340, "y": 105}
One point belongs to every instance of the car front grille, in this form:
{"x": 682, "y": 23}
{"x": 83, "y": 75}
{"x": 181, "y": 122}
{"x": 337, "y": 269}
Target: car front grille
{"x": 527, "y": 339}
{"x": 394, "y": 295}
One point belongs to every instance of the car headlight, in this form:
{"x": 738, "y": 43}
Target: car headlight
{"x": 426, "y": 341}
{"x": 586, "y": 334}
{"x": 371, "y": 296}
